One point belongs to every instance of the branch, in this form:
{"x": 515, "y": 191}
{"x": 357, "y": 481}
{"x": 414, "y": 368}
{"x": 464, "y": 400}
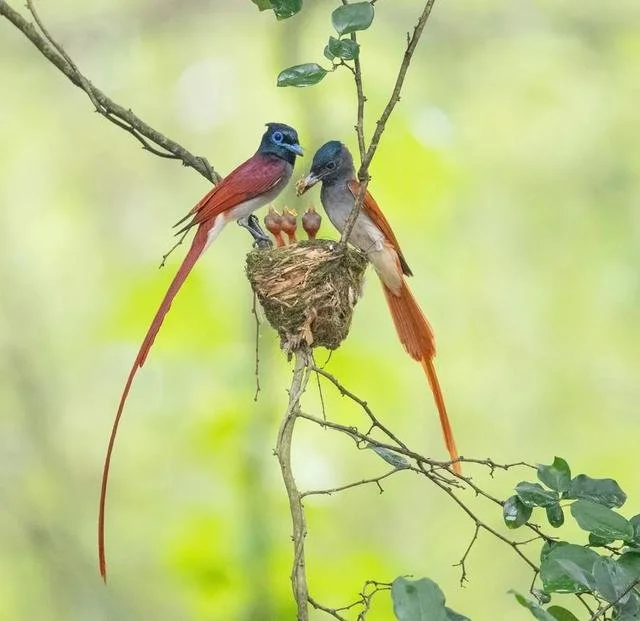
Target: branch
{"x": 341, "y": 488}
{"x": 283, "y": 452}
{"x": 603, "y": 609}
{"x": 363, "y": 172}
{"x": 123, "y": 118}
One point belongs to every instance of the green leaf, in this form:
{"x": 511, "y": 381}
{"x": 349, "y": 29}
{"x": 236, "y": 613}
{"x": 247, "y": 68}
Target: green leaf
{"x": 547, "y": 546}
{"x": 263, "y": 5}
{"x": 556, "y": 476}
{"x": 418, "y": 600}
{"x": 603, "y": 491}
{"x": 391, "y": 457}
{"x": 352, "y": 17}
{"x": 598, "y": 542}
{"x": 601, "y": 521}
{"x": 534, "y": 495}
{"x": 635, "y": 522}
{"x": 630, "y": 609}
{"x": 301, "y": 75}
{"x": 343, "y": 48}
{"x": 561, "y": 614}
{"x": 557, "y": 568}
{"x": 515, "y": 512}
{"x": 579, "y": 574}
{"x": 630, "y": 561}
{"x": 286, "y": 8}
{"x": 612, "y": 580}
{"x": 452, "y": 615}
{"x": 541, "y": 596}
{"x": 539, "y": 613}
{"x": 555, "y": 515}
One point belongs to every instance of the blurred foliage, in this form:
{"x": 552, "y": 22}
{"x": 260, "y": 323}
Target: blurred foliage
{"x": 511, "y": 174}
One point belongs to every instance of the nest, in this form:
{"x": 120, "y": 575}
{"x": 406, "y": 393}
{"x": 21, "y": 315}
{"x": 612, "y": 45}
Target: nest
{"x": 308, "y": 291}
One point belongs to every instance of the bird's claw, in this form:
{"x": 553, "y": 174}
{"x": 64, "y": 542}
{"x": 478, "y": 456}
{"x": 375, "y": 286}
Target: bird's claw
{"x": 260, "y": 238}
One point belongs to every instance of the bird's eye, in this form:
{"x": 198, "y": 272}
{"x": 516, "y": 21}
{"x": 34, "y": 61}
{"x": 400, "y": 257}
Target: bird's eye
{"x": 331, "y": 165}
{"x": 277, "y": 137}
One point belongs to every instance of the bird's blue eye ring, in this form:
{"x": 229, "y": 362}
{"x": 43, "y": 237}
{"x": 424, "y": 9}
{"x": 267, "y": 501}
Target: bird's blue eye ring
{"x": 331, "y": 165}
{"x": 277, "y": 137}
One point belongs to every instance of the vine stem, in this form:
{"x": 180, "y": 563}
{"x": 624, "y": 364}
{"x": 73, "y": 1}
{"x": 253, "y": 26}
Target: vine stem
{"x": 301, "y": 372}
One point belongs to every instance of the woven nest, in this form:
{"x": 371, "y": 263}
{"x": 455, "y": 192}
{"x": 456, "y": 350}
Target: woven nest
{"x": 308, "y": 291}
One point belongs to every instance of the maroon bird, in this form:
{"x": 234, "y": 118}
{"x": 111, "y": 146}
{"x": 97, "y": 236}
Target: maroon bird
{"x": 251, "y": 185}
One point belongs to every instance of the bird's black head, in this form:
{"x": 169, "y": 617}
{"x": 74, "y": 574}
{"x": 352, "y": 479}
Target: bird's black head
{"x": 282, "y": 141}
{"x": 332, "y": 162}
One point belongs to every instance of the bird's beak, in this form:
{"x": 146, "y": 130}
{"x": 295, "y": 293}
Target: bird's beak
{"x": 294, "y": 148}
{"x": 305, "y": 183}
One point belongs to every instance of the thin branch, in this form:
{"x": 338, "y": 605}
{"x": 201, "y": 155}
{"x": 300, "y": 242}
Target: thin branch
{"x": 395, "y": 95}
{"x": 254, "y": 310}
{"x": 330, "y": 611}
{"x": 603, "y": 609}
{"x": 341, "y": 488}
{"x": 462, "y": 562}
{"x": 283, "y": 452}
{"x": 363, "y": 172}
{"x": 345, "y": 392}
{"x": 112, "y": 111}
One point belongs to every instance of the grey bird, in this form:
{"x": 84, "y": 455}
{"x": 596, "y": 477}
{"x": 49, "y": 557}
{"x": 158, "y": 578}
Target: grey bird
{"x": 333, "y": 166}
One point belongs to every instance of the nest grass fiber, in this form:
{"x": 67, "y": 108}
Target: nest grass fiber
{"x": 308, "y": 291}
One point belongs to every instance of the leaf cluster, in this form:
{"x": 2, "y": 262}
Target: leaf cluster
{"x": 346, "y": 21}
{"x": 606, "y": 567}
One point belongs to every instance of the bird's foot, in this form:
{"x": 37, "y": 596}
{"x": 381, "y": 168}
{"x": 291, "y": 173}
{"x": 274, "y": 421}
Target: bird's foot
{"x": 260, "y": 238}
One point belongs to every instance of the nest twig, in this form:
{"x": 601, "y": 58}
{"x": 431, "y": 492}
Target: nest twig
{"x": 308, "y": 291}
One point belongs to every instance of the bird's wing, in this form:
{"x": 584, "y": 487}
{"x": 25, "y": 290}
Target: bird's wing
{"x": 254, "y": 177}
{"x": 370, "y": 207}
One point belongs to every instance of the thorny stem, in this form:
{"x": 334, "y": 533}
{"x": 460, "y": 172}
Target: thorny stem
{"x": 283, "y": 453}
{"x": 115, "y": 113}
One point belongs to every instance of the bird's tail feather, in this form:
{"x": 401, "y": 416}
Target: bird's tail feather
{"x": 416, "y": 336}
{"x": 197, "y": 247}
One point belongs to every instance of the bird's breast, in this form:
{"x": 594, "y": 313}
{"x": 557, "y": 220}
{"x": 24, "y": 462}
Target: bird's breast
{"x": 338, "y": 204}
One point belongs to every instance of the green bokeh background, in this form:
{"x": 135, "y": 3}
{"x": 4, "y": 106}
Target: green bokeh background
{"x": 510, "y": 172}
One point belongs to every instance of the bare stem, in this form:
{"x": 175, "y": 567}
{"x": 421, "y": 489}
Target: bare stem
{"x": 365, "y": 158}
{"x": 283, "y": 452}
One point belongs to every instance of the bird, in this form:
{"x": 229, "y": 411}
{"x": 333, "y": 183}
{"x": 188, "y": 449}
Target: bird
{"x": 333, "y": 166}
{"x": 311, "y": 222}
{"x": 253, "y": 184}
{"x": 290, "y": 224}
{"x": 273, "y": 224}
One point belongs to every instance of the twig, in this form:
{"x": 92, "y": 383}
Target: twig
{"x": 395, "y": 95}
{"x": 603, "y": 609}
{"x": 112, "y": 111}
{"x": 462, "y": 562}
{"x": 254, "y": 310}
{"x": 345, "y": 392}
{"x": 341, "y": 488}
{"x": 330, "y": 611}
{"x": 283, "y": 453}
{"x": 363, "y": 172}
